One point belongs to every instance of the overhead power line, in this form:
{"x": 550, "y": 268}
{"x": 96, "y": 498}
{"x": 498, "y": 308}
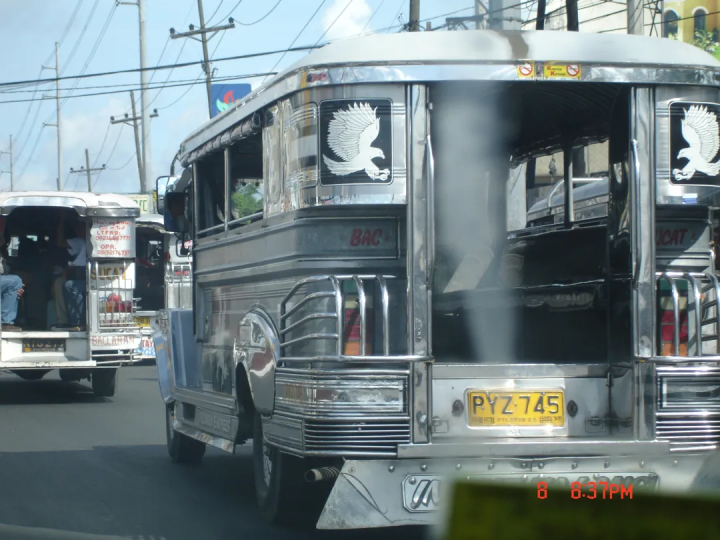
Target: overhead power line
{"x": 260, "y": 19}
{"x": 159, "y": 87}
{"x": 167, "y": 66}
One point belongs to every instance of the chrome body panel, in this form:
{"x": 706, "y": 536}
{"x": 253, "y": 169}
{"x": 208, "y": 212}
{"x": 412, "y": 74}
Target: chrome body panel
{"x": 384, "y": 493}
{"x": 85, "y": 204}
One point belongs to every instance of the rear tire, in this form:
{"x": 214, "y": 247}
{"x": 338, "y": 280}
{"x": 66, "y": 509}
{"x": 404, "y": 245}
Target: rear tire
{"x": 182, "y": 449}
{"x": 282, "y": 493}
{"x": 31, "y": 374}
{"x": 105, "y": 382}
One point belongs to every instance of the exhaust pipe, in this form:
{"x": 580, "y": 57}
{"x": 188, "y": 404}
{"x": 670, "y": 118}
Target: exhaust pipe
{"x": 321, "y": 474}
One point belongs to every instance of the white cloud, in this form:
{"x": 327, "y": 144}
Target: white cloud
{"x": 350, "y": 23}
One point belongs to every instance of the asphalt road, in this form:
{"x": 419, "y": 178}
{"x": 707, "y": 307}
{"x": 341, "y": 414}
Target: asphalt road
{"x": 73, "y": 466}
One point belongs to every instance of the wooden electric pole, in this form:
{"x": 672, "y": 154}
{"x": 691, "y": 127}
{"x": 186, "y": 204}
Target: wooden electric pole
{"x": 202, "y": 32}
{"x": 88, "y": 170}
{"x": 414, "y": 22}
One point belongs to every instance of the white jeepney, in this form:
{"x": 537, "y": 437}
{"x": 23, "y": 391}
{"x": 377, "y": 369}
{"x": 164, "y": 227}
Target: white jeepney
{"x": 108, "y": 337}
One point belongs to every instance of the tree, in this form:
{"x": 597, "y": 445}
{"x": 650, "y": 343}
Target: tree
{"x": 246, "y": 200}
{"x": 706, "y": 41}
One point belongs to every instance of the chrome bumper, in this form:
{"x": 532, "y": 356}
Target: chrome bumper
{"x": 397, "y": 492}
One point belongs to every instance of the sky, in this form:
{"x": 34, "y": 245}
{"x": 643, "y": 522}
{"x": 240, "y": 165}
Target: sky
{"x": 29, "y": 30}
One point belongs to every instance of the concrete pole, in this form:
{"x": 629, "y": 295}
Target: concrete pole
{"x": 59, "y": 129}
{"x": 138, "y": 151}
{"x": 206, "y": 58}
{"x": 145, "y": 115}
{"x": 87, "y": 168}
{"x": 635, "y": 17}
{"x": 414, "y": 22}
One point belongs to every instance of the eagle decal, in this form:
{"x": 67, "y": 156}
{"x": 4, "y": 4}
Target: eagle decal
{"x": 351, "y": 134}
{"x": 701, "y": 132}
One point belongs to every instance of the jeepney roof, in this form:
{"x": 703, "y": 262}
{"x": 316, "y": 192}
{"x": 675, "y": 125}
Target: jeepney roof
{"x": 86, "y": 204}
{"x": 150, "y": 219}
{"x": 471, "y": 55}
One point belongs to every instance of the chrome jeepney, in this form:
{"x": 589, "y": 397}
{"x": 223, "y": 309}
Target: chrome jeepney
{"x": 108, "y": 337}
{"x": 164, "y": 278}
{"x": 392, "y": 316}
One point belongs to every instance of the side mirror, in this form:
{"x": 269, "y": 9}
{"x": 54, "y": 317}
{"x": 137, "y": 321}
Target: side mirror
{"x": 174, "y": 213}
{"x": 161, "y": 186}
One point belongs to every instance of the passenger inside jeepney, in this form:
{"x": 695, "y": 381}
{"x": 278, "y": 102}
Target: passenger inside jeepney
{"x": 149, "y": 270}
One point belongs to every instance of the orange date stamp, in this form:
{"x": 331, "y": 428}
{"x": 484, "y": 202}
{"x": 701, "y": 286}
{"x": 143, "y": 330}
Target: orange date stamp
{"x": 591, "y": 490}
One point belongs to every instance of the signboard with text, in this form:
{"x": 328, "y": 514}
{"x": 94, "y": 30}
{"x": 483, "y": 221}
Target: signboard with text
{"x": 144, "y": 201}
{"x": 113, "y": 238}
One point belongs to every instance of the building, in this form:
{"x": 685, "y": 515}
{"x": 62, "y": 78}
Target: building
{"x": 683, "y": 19}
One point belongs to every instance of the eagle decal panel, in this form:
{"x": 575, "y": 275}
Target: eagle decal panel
{"x": 356, "y": 141}
{"x": 695, "y": 143}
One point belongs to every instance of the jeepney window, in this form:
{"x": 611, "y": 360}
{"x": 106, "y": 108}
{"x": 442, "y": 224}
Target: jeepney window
{"x": 246, "y": 181}
{"x": 505, "y": 290}
{"x": 272, "y": 162}
{"x": 211, "y": 193}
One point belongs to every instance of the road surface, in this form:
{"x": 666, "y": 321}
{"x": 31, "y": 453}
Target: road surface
{"x": 73, "y": 466}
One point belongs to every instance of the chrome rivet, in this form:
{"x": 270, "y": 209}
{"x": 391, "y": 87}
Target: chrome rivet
{"x": 423, "y": 467}
{"x": 491, "y": 466}
{"x": 458, "y": 407}
{"x": 642, "y": 464}
{"x": 391, "y": 468}
{"x": 607, "y": 464}
{"x": 412, "y": 480}
{"x": 524, "y": 465}
{"x": 352, "y": 470}
{"x": 458, "y": 466}
{"x": 524, "y": 476}
{"x": 541, "y": 465}
{"x": 675, "y": 463}
{"x": 596, "y": 476}
{"x": 421, "y": 418}
{"x": 574, "y": 465}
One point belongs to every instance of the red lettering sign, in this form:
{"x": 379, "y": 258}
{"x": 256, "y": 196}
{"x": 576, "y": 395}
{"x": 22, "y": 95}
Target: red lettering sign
{"x": 670, "y": 237}
{"x": 366, "y": 237}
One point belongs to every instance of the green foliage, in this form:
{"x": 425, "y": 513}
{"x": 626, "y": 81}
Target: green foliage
{"x": 706, "y": 41}
{"x": 246, "y": 200}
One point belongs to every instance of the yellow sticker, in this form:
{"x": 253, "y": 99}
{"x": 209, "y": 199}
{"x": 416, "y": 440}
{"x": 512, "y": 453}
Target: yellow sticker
{"x": 562, "y": 71}
{"x": 526, "y": 71}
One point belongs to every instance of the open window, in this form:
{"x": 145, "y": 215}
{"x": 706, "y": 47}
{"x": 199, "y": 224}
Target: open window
{"x": 246, "y": 181}
{"x": 507, "y": 289}
{"x": 210, "y": 175}
{"x": 149, "y": 268}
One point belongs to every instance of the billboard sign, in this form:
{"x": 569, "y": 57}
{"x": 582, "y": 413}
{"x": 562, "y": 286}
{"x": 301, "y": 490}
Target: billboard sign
{"x": 224, "y": 95}
{"x": 145, "y": 201}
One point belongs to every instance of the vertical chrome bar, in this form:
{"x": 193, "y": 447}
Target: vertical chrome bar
{"x": 339, "y": 311}
{"x": 676, "y": 312}
{"x": 226, "y": 156}
{"x": 569, "y": 203}
{"x": 430, "y": 175}
{"x": 385, "y": 301}
{"x": 97, "y": 289}
{"x": 716, "y": 285}
{"x": 361, "y": 302}
{"x": 698, "y": 315}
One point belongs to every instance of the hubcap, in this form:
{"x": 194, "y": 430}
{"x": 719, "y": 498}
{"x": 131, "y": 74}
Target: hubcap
{"x": 267, "y": 462}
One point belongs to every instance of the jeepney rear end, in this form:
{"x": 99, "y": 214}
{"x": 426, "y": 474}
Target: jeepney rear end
{"x": 405, "y": 322}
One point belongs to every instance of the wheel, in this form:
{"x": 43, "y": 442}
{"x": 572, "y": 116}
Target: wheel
{"x": 105, "y": 382}
{"x": 31, "y": 374}
{"x": 182, "y": 449}
{"x": 282, "y": 493}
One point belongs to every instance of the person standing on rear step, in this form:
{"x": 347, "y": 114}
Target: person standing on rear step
{"x": 74, "y": 283}
{"x": 11, "y": 288}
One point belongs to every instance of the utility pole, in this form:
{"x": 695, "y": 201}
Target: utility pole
{"x": 145, "y": 183}
{"x": 504, "y": 15}
{"x": 10, "y": 153}
{"x": 134, "y": 119}
{"x": 202, "y": 31}
{"x": 87, "y": 170}
{"x": 414, "y": 22}
{"x": 540, "y": 17}
{"x": 478, "y": 22}
{"x": 57, "y": 123}
{"x": 573, "y": 22}
{"x": 635, "y": 17}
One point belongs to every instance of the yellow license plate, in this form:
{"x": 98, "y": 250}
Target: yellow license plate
{"x": 498, "y": 408}
{"x": 143, "y": 322}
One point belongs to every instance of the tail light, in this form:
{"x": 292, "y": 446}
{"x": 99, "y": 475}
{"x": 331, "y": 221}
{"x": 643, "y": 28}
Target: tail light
{"x": 352, "y": 333}
{"x": 667, "y": 319}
